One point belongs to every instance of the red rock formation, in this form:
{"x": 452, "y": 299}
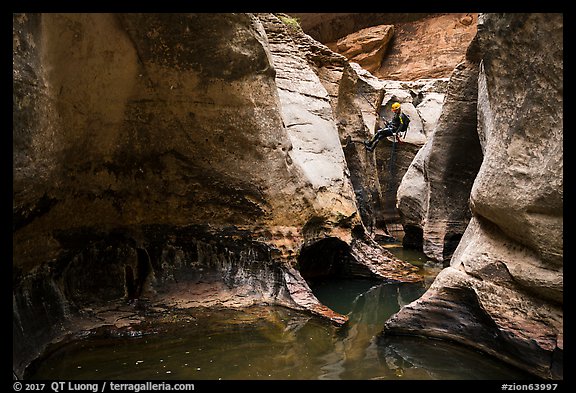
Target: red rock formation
{"x": 423, "y": 46}
{"x": 366, "y": 47}
{"x": 428, "y": 48}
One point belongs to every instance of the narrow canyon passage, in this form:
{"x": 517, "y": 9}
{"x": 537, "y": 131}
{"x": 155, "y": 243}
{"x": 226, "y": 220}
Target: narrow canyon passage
{"x": 193, "y": 197}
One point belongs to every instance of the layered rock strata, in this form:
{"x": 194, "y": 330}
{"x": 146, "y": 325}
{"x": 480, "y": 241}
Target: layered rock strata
{"x": 423, "y": 45}
{"x": 366, "y": 47}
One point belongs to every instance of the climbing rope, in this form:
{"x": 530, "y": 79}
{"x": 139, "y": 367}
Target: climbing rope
{"x": 392, "y": 161}
{"x": 391, "y": 167}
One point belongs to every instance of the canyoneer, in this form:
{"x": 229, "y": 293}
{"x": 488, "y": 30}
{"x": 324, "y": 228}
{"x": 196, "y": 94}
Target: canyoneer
{"x": 395, "y": 128}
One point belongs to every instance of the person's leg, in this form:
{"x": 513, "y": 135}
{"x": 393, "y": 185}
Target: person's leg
{"x": 387, "y": 132}
{"x": 371, "y": 144}
{"x": 381, "y": 133}
{"x": 379, "y": 136}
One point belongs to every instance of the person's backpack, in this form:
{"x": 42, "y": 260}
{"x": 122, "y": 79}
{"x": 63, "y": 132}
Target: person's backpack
{"x": 405, "y": 121}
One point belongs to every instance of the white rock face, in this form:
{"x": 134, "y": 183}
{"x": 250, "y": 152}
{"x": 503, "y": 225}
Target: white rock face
{"x": 311, "y": 128}
{"x": 316, "y": 147}
{"x": 412, "y": 194}
{"x": 429, "y": 110}
{"x": 421, "y": 100}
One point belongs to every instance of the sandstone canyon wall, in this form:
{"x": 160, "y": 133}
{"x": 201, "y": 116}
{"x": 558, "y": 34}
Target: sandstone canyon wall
{"x": 396, "y": 46}
{"x": 432, "y": 197}
{"x": 164, "y": 158}
{"x": 503, "y": 291}
{"x": 410, "y": 57}
{"x": 189, "y": 160}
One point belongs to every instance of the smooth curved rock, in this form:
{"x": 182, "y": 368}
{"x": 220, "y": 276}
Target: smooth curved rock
{"x": 433, "y": 194}
{"x": 181, "y": 159}
{"x": 503, "y": 291}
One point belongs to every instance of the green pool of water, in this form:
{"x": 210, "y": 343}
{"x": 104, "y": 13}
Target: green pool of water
{"x": 267, "y": 342}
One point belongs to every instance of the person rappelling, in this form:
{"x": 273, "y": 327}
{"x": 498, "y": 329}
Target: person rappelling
{"x": 397, "y": 127}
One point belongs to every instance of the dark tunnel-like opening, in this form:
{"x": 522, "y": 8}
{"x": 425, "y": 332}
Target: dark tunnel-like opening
{"x": 326, "y": 258}
{"x": 413, "y": 237}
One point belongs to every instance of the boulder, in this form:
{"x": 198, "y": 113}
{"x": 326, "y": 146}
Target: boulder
{"x": 367, "y": 47}
{"x": 424, "y": 45}
{"x": 330, "y": 27}
{"x": 429, "y": 47}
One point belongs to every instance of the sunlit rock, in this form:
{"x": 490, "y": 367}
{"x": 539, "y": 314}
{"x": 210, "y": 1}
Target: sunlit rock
{"x": 366, "y": 47}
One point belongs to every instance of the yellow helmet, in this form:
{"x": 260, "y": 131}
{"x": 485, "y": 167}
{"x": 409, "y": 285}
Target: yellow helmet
{"x": 395, "y": 106}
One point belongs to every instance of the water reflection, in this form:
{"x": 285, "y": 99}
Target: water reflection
{"x": 421, "y": 358}
{"x": 356, "y": 353}
{"x": 276, "y": 343}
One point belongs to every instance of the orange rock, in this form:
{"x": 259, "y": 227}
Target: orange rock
{"x": 366, "y": 47}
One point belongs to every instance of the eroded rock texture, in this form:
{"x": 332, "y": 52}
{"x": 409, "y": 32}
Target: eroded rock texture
{"x": 330, "y": 27}
{"x": 428, "y": 47}
{"x": 356, "y": 118}
{"x": 433, "y": 194}
{"x": 423, "y": 45}
{"x": 503, "y": 291}
{"x": 175, "y": 159}
{"x": 375, "y": 176}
